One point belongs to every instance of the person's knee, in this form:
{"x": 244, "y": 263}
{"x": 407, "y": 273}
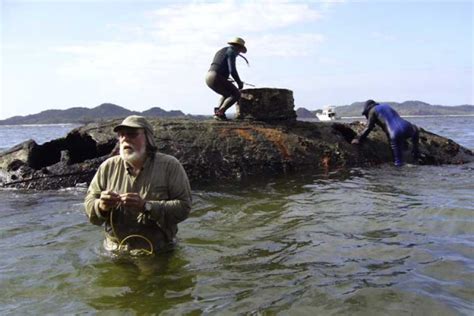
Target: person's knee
{"x": 237, "y": 94}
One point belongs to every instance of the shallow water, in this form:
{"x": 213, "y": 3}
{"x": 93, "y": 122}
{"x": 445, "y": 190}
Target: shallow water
{"x": 361, "y": 241}
{"x": 14, "y": 134}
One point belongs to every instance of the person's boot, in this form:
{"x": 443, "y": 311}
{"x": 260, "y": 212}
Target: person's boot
{"x": 220, "y": 115}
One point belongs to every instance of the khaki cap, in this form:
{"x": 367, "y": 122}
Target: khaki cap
{"x": 240, "y": 42}
{"x": 135, "y": 121}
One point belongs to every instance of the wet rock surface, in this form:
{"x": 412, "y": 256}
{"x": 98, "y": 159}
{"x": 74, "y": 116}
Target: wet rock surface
{"x": 217, "y": 151}
{"x": 265, "y": 139}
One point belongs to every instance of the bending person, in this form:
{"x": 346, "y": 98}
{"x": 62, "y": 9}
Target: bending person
{"x": 217, "y": 77}
{"x": 396, "y": 129}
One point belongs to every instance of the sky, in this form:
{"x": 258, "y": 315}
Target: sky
{"x": 60, "y": 54}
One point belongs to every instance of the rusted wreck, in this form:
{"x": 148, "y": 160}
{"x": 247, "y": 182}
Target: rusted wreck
{"x": 258, "y": 142}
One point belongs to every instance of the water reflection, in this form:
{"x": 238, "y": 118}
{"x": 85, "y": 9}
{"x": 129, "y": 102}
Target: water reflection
{"x": 341, "y": 235}
{"x": 142, "y": 285}
{"x": 352, "y": 242}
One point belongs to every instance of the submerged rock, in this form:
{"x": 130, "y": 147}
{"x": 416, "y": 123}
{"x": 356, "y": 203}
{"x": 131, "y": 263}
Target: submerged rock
{"x": 266, "y": 139}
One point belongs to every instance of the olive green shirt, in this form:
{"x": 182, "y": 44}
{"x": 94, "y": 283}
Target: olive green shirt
{"x": 162, "y": 182}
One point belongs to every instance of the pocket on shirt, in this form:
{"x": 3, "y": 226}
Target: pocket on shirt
{"x": 159, "y": 192}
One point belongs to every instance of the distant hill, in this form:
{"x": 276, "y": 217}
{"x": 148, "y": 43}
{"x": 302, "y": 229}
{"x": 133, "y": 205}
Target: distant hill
{"x": 83, "y": 115}
{"x": 162, "y": 113}
{"x": 304, "y": 113}
{"x": 406, "y": 108}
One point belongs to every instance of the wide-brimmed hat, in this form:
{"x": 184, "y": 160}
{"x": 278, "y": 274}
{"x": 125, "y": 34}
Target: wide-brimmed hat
{"x": 135, "y": 121}
{"x": 240, "y": 42}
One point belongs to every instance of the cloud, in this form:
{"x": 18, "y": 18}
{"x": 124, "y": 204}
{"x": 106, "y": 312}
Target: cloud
{"x": 184, "y": 22}
{"x": 207, "y": 26}
{"x": 181, "y": 36}
{"x": 168, "y": 59}
{"x": 132, "y": 31}
{"x": 286, "y": 45}
{"x": 110, "y": 58}
{"x": 327, "y": 4}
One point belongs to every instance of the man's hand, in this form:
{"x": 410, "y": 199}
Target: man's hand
{"x": 355, "y": 141}
{"x": 133, "y": 201}
{"x": 108, "y": 200}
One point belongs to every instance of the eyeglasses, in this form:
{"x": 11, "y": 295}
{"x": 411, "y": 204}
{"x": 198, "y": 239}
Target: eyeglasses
{"x": 128, "y": 134}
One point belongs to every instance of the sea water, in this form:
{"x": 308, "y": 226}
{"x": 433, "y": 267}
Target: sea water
{"x": 383, "y": 240}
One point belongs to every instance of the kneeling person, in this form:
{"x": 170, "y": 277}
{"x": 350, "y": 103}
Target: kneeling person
{"x": 141, "y": 195}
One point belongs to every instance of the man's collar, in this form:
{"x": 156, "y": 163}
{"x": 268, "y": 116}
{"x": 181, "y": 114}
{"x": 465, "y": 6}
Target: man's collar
{"x": 130, "y": 168}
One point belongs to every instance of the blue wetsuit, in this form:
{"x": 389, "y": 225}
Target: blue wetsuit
{"x": 396, "y": 129}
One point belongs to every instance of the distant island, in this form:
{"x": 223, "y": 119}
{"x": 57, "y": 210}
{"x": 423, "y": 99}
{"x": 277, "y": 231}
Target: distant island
{"x": 82, "y": 115}
{"x": 407, "y": 108}
{"x": 107, "y": 111}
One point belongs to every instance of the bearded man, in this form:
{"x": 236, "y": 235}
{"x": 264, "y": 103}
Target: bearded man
{"x": 141, "y": 195}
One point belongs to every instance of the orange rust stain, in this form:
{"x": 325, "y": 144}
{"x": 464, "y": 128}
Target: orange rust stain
{"x": 245, "y": 134}
{"x": 325, "y": 162}
{"x": 225, "y": 132}
{"x": 277, "y": 138}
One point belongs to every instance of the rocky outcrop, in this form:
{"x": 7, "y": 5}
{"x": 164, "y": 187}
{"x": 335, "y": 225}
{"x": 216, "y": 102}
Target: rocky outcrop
{"x": 216, "y": 151}
{"x": 219, "y": 151}
{"x": 266, "y": 104}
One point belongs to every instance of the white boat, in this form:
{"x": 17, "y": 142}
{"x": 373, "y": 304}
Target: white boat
{"x": 328, "y": 114}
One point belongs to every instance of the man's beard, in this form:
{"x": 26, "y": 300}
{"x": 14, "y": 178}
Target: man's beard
{"x": 132, "y": 157}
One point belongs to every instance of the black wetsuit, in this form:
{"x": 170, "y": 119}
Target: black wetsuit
{"x": 222, "y": 66}
{"x": 396, "y": 129}
{"x": 224, "y": 63}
